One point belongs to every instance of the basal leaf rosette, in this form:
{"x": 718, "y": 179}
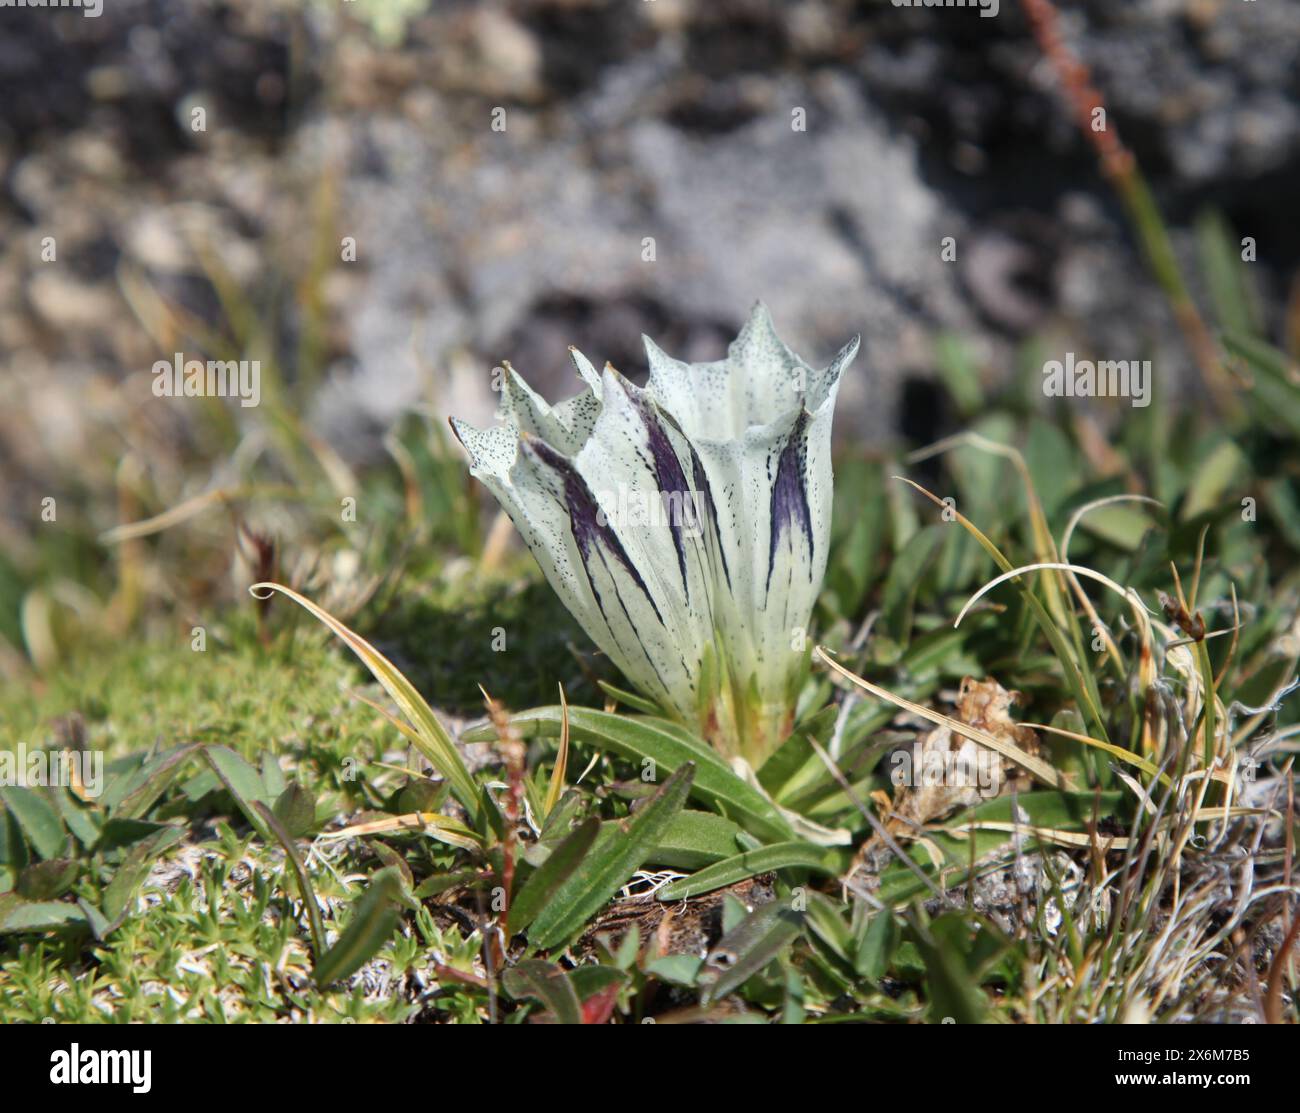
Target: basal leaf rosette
{"x": 685, "y": 524}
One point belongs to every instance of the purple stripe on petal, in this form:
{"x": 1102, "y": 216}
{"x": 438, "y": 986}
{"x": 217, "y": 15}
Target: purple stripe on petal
{"x": 790, "y": 496}
{"x": 674, "y": 492}
{"x": 585, "y": 519}
{"x": 710, "y": 508}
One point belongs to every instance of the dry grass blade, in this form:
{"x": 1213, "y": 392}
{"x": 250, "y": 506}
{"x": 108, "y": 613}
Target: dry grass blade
{"x": 1127, "y": 756}
{"x": 556, "y": 788}
{"x": 1046, "y": 834}
{"x": 1139, "y": 608}
{"x": 440, "y": 827}
{"x": 1080, "y": 683}
{"x": 1044, "y": 545}
{"x": 432, "y": 738}
{"x": 1032, "y": 765}
{"x": 1075, "y": 586}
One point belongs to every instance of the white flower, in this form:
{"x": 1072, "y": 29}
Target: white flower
{"x": 684, "y": 525}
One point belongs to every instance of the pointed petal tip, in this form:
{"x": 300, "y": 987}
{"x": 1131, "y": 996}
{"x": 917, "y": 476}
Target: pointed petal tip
{"x": 586, "y": 369}
{"x": 457, "y": 425}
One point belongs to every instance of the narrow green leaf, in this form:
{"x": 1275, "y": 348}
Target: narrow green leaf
{"x": 547, "y": 878}
{"x": 132, "y": 872}
{"x": 904, "y": 579}
{"x": 82, "y": 821}
{"x": 374, "y": 918}
{"x": 953, "y": 990}
{"x": 747, "y": 948}
{"x": 668, "y": 746}
{"x": 766, "y": 858}
{"x": 305, "y": 890}
{"x": 620, "y": 849}
{"x": 879, "y": 942}
{"x": 151, "y": 780}
{"x": 630, "y": 699}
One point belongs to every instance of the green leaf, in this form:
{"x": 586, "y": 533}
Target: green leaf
{"x": 1213, "y": 476}
{"x": 879, "y": 942}
{"x": 47, "y": 880}
{"x": 904, "y": 578}
{"x": 960, "y": 372}
{"x": 630, "y": 699}
{"x": 149, "y": 781}
{"x": 296, "y": 810}
{"x": 547, "y": 878}
{"x": 952, "y": 988}
{"x": 747, "y": 948}
{"x": 439, "y": 883}
{"x": 82, "y": 821}
{"x": 244, "y": 783}
{"x": 681, "y": 970}
{"x": 37, "y": 818}
{"x": 1123, "y": 525}
{"x": 590, "y": 980}
{"x": 668, "y": 746}
{"x": 272, "y": 774}
{"x": 794, "y": 753}
{"x": 119, "y": 834}
{"x": 695, "y": 839}
{"x": 305, "y": 890}
{"x": 19, "y": 915}
{"x": 429, "y": 735}
{"x": 766, "y": 858}
{"x": 13, "y": 847}
{"x": 131, "y": 873}
{"x": 1275, "y": 388}
{"x": 620, "y": 849}
{"x": 374, "y": 918}
{"x": 549, "y": 984}
{"x": 1226, "y": 274}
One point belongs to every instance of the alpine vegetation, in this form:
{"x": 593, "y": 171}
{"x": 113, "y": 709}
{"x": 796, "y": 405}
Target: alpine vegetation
{"x": 704, "y": 607}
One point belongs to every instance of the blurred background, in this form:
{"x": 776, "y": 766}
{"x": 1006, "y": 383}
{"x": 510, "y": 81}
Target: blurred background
{"x": 381, "y": 200}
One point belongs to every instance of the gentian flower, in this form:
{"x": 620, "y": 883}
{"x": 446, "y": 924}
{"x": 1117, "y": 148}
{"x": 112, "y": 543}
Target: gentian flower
{"x": 685, "y": 524}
